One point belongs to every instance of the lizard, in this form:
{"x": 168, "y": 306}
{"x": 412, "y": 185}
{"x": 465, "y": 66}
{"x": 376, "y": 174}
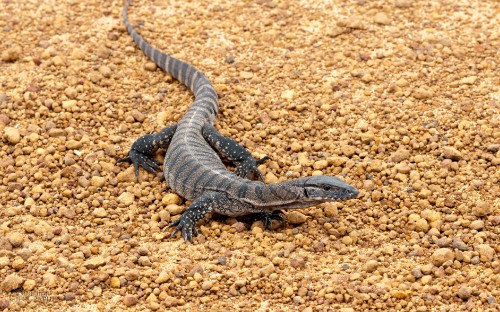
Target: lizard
{"x": 193, "y": 166}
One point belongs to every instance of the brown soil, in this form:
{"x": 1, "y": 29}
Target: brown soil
{"x": 401, "y": 98}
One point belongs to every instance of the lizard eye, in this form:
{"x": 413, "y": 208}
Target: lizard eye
{"x": 327, "y": 187}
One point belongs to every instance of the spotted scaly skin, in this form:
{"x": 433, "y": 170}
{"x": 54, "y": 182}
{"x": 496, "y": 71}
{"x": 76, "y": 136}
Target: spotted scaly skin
{"x": 193, "y": 166}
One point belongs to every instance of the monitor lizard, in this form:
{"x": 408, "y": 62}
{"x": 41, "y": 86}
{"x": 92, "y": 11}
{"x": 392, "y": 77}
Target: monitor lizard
{"x": 193, "y": 167}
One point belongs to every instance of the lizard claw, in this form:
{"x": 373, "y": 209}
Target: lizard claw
{"x": 186, "y": 227}
{"x": 268, "y": 217}
{"x": 139, "y": 159}
{"x": 249, "y": 166}
{"x": 274, "y": 215}
{"x": 262, "y": 160}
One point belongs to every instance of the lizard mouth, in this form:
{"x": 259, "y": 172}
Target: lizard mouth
{"x": 335, "y": 190}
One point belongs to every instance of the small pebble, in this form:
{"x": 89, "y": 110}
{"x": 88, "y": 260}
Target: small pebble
{"x": 288, "y": 94}
{"x": 207, "y": 285}
{"x": 11, "y": 282}
{"x": 426, "y": 279}
{"x": 491, "y": 300}
{"x": 171, "y": 199}
{"x": 97, "y": 181}
{"x": 70, "y": 92}
{"x": 288, "y": 292}
{"x": 477, "y": 225}
{"x": 458, "y": 244}
{"x": 12, "y": 135}
{"x": 100, "y": 212}
{"x": 137, "y": 115}
{"x": 105, "y": 71}
{"x": 442, "y": 255}
{"x": 443, "y": 242}
{"x": 403, "y": 4}
{"x": 29, "y": 284}
{"x": 132, "y": 275}
{"x": 468, "y": 80}
{"x": 423, "y": 93}
{"x": 15, "y": 239}
{"x": 18, "y": 263}
{"x": 11, "y": 54}
{"x": 126, "y": 198}
{"x": 4, "y": 303}
{"x": 400, "y": 155}
{"x": 246, "y": 75}
{"x": 174, "y": 209}
{"x": 295, "y": 217}
{"x": 416, "y": 272}
{"x": 69, "y": 296}
{"x": 296, "y": 147}
{"x": 381, "y": 18}
{"x": 486, "y": 252}
{"x": 452, "y": 153}
{"x": 464, "y": 292}
{"x": 115, "y": 282}
{"x": 130, "y": 300}
{"x": 371, "y": 266}
{"x": 221, "y": 260}
{"x": 95, "y": 262}
{"x": 150, "y": 66}
{"x": 481, "y": 209}
{"x": 162, "y": 278}
{"x": 298, "y": 262}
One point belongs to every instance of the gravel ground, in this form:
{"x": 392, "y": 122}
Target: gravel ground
{"x": 401, "y": 98}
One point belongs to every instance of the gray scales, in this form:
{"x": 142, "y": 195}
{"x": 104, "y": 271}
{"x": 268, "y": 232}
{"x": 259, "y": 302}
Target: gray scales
{"x": 193, "y": 167}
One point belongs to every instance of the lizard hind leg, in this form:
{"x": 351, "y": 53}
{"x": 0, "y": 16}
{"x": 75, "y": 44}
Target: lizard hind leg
{"x": 142, "y": 150}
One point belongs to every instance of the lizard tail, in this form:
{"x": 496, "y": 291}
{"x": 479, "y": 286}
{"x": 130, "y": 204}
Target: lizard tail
{"x": 186, "y": 73}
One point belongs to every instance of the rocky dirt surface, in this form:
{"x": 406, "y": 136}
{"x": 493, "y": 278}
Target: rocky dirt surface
{"x": 400, "y": 98}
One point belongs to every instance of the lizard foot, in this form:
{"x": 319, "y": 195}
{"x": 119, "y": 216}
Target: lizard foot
{"x": 139, "y": 159}
{"x": 268, "y": 217}
{"x": 186, "y": 226}
{"x": 199, "y": 209}
{"x": 249, "y": 167}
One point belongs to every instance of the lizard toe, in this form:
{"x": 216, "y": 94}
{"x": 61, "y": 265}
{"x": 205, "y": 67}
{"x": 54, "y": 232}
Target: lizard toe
{"x": 139, "y": 159}
{"x": 176, "y": 222}
{"x": 186, "y": 227}
{"x": 262, "y": 160}
{"x": 187, "y": 234}
{"x": 124, "y": 159}
{"x": 248, "y": 168}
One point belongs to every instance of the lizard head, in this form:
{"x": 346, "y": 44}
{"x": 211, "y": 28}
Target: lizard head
{"x": 326, "y": 188}
{"x": 306, "y": 192}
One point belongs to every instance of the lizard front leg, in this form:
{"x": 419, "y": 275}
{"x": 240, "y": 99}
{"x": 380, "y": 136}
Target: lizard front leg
{"x": 202, "y": 207}
{"x": 233, "y": 151}
{"x": 142, "y": 150}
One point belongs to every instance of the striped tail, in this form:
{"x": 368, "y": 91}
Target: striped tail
{"x": 191, "y": 77}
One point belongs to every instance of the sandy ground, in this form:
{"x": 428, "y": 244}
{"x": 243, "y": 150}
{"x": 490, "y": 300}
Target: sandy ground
{"x": 400, "y": 98}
